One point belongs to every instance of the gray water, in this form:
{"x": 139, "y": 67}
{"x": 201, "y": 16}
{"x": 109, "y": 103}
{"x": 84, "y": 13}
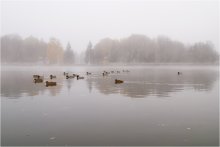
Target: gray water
{"x": 154, "y": 106}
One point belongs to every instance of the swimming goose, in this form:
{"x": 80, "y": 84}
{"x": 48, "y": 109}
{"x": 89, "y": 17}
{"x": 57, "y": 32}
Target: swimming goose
{"x": 70, "y": 77}
{"x": 105, "y": 73}
{"x": 36, "y": 76}
{"x": 51, "y": 83}
{"x": 38, "y": 80}
{"x": 52, "y": 76}
{"x": 118, "y": 81}
{"x": 65, "y": 73}
{"x": 78, "y": 77}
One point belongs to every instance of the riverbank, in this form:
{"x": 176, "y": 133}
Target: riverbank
{"x": 113, "y": 64}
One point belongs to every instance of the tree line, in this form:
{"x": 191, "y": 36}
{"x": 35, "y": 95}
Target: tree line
{"x": 15, "y": 49}
{"x": 133, "y": 49}
{"x": 142, "y": 49}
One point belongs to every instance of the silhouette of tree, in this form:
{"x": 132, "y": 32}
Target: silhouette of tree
{"x": 54, "y": 51}
{"x": 89, "y": 54}
{"x": 141, "y": 49}
{"x": 69, "y": 56}
{"x": 133, "y": 49}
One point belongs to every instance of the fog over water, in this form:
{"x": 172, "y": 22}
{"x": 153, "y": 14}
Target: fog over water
{"x": 110, "y": 72}
{"x": 82, "y": 21}
{"x": 153, "y": 107}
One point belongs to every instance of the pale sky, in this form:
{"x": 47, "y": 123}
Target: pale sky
{"x": 92, "y": 20}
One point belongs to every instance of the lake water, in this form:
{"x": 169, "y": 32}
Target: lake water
{"x": 154, "y": 106}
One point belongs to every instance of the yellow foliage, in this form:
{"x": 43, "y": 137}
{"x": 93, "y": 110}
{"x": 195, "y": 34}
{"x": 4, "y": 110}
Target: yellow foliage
{"x": 54, "y": 51}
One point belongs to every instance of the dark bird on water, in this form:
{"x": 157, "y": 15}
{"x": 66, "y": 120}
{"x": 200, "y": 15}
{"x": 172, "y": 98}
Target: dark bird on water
{"x": 65, "y": 73}
{"x": 38, "y": 80}
{"x": 70, "y": 77}
{"x": 51, "y": 83}
{"x": 118, "y": 81}
{"x": 78, "y": 77}
{"x": 52, "y": 76}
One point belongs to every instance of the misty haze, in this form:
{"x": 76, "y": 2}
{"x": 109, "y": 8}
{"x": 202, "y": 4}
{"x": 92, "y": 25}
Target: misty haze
{"x": 109, "y": 73}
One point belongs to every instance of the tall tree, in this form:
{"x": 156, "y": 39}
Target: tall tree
{"x": 11, "y": 48}
{"x": 54, "y": 51}
{"x": 89, "y": 53}
{"x": 69, "y": 56}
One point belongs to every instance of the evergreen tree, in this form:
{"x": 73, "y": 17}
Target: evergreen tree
{"x": 89, "y": 54}
{"x": 69, "y": 55}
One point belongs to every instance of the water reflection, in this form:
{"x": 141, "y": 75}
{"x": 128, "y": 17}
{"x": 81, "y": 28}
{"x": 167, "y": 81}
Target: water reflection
{"x": 20, "y": 83}
{"x": 139, "y": 83}
{"x": 158, "y": 82}
{"x": 69, "y": 84}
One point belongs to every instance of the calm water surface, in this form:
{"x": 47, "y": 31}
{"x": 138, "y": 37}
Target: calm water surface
{"x": 154, "y": 106}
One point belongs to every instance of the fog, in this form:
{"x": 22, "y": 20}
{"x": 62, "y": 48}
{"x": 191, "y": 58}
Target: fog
{"x": 109, "y": 72}
{"x": 79, "y": 22}
{"x": 135, "y": 49}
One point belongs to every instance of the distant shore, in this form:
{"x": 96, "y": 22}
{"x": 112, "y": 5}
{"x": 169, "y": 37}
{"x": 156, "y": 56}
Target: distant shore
{"x": 114, "y": 64}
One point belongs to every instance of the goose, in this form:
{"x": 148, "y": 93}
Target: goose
{"x": 70, "y": 77}
{"x": 38, "y": 80}
{"x": 179, "y": 73}
{"x": 51, "y": 83}
{"x": 35, "y": 76}
{"x": 78, "y": 77}
{"x": 38, "y": 77}
{"x": 65, "y": 73}
{"x": 52, "y": 76}
{"x": 118, "y": 81}
{"x": 88, "y": 73}
{"x": 104, "y": 73}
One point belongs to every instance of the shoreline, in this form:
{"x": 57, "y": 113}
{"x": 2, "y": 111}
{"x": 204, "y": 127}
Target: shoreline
{"x": 112, "y": 64}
